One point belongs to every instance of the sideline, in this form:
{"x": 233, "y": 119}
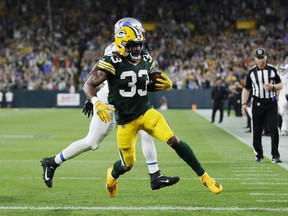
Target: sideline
{"x": 236, "y": 127}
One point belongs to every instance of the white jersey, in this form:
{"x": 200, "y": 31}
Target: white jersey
{"x": 110, "y": 49}
{"x": 9, "y": 96}
{"x": 283, "y": 104}
{"x": 284, "y": 90}
{"x": 102, "y": 94}
{"x": 1, "y": 96}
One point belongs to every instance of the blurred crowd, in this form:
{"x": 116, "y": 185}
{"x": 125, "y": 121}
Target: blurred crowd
{"x": 52, "y": 45}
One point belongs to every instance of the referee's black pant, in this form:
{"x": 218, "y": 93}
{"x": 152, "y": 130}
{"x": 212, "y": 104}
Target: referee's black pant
{"x": 265, "y": 110}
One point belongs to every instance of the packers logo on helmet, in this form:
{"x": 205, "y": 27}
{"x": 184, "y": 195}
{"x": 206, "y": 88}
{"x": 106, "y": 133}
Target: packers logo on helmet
{"x": 129, "y": 42}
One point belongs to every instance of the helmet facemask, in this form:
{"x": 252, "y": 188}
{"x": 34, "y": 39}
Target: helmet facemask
{"x": 134, "y": 50}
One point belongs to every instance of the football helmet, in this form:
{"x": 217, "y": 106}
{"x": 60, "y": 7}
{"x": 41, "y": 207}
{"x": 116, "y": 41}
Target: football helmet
{"x": 283, "y": 69}
{"x": 128, "y": 21}
{"x": 129, "y": 42}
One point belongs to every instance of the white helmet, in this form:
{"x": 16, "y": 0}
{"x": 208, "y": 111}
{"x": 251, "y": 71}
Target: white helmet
{"x": 283, "y": 69}
{"x": 128, "y": 21}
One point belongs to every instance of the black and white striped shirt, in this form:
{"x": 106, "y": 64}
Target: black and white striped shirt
{"x": 256, "y": 78}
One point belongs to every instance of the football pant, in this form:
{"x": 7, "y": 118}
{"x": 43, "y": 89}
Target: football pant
{"x": 152, "y": 122}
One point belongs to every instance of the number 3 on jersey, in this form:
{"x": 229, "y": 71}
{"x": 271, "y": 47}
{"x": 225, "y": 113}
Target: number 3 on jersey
{"x": 131, "y": 75}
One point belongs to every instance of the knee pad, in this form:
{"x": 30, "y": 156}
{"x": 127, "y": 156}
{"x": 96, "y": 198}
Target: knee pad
{"x": 129, "y": 161}
{"x": 93, "y": 143}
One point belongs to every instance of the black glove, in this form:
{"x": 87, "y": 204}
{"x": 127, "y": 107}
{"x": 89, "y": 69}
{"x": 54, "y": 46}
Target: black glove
{"x": 88, "y": 108}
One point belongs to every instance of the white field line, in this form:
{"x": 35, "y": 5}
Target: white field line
{"x": 240, "y": 172}
{"x": 38, "y": 161}
{"x": 257, "y": 174}
{"x": 268, "y": 194}
{"x": 272, "y": 201}
{"x": 144, "y": 179}
{"x": 127, "y": 208}
{"x": 264, "y": 183}
{"x": 4, "y": 136}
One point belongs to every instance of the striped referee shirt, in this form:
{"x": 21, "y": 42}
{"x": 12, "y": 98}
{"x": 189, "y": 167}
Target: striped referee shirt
{"x": 256, "y": 78}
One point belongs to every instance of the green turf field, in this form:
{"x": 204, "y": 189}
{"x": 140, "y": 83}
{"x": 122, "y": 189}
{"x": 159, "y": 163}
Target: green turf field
{"x": 27, "y": 135}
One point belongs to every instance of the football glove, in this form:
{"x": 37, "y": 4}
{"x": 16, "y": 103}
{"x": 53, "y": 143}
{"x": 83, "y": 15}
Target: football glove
{"x": 102, "y": 111}
{"x": 163, "y": 83}
{"x": 88, "y": 108}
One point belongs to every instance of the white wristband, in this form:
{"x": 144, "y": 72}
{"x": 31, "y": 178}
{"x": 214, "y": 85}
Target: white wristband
{"x": 94, "y": 100}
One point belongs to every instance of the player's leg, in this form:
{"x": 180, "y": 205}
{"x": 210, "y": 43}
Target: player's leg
{"x": 285, "y": 119}
{"x": 283, "y": 111}
{"x": 155, "y": 123}
{"x": 126, "y": 139}
{"x": 98, "y": 130}
{"x": 149, "y": 151}
{"x": 157, "y": 180}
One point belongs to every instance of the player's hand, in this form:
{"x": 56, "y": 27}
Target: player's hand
{"x": 88, "y": 108}
{"x": 163, "y": 83}
{"x": 102, "y": 111}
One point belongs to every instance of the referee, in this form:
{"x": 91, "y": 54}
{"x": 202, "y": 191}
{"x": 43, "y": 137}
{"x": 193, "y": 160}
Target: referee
{"x": 264, "y": 83}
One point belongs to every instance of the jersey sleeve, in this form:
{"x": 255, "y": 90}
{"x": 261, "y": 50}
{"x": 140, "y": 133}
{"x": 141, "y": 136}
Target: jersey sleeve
{"x": 277, "y": 77}
{"x": 147, "y": 57}
{"x": 248, "y": 81}
{"x": 105, "y": 65}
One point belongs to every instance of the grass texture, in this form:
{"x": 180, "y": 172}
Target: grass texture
{"x": 27, "y": 135}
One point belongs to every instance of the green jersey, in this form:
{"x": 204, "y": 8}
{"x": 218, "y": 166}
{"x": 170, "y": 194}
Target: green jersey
{"x": 127, "y": 85}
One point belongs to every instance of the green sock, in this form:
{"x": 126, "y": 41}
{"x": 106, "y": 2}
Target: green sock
{"x": 185, "y": 152}
{"x": 117, "y": 170}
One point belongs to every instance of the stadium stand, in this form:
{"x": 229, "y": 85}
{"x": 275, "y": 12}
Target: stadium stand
{"x": 52, "y": 45}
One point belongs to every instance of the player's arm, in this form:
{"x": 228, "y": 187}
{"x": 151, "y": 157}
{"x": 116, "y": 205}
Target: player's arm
{"x": 90, "y": 92}
{"x": 96, "y": 77}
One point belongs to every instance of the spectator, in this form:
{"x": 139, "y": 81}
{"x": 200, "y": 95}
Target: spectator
{"x": 1, "y": 98}
{"x": 218, "y": 95}
{"x": 9, "y": 98}
{"x": 45, "y": 56}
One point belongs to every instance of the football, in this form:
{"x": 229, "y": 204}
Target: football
{"x": 152, "y": 81}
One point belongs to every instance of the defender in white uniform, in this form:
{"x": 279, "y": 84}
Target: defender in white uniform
{"x": 283, "y": 99}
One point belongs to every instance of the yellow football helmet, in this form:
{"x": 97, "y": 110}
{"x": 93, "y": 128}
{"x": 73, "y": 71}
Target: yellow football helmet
{"x": 129, "y": 42}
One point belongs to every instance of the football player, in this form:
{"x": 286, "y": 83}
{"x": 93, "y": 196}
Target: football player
{"x": 283, "y": 98}
{"x": 98, "y": 130}
{"x": 127, "y": 74}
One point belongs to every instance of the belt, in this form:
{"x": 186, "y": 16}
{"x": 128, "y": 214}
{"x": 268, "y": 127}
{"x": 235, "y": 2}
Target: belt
{"x": 265, "y": 100}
